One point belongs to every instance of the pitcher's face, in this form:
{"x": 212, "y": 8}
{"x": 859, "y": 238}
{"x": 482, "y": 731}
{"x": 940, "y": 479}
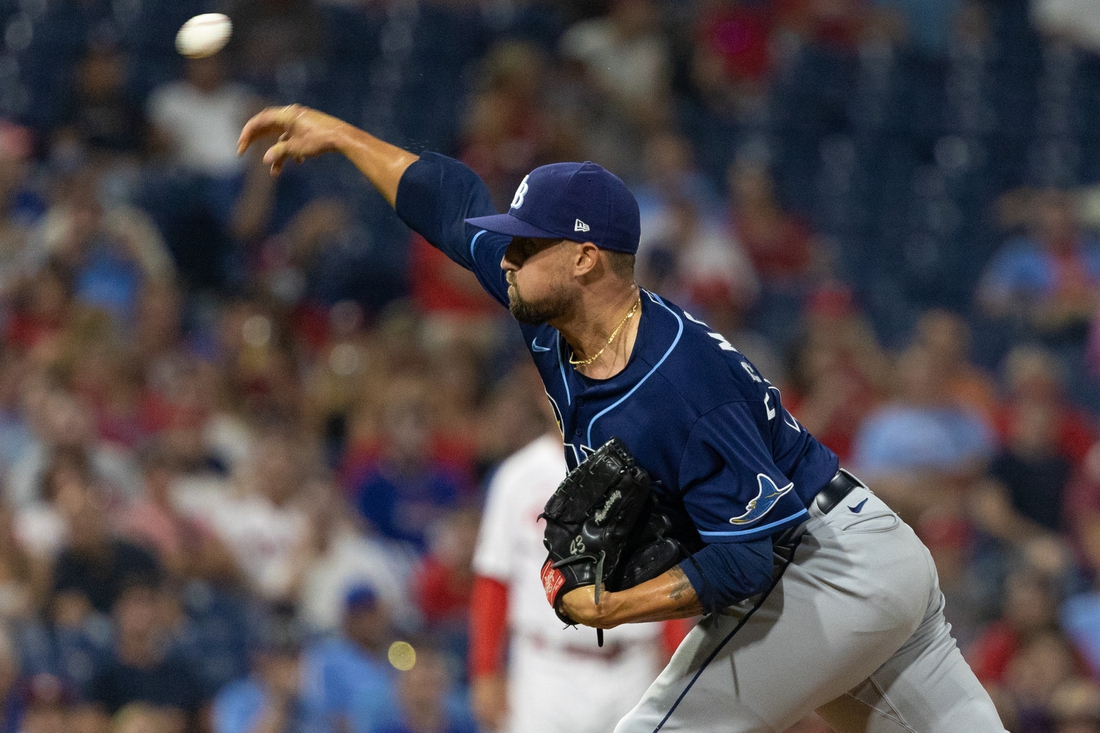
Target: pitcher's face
{"x": 538, "y": 282}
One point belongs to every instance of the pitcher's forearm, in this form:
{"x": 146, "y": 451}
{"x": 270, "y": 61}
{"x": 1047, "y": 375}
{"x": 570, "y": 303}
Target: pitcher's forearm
{"x": 303, "y": 133}
{"x": 666, "y": 597}
{"x": 380, "y": 162}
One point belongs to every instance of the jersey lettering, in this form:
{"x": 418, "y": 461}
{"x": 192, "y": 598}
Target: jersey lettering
{"x": 517, "y": 200}
{"x": 788, "y": 418}
{"x": 722, "y": 342}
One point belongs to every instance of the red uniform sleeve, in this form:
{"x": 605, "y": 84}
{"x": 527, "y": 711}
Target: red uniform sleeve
{"x": 673, "y": 633}
{"x": 488, "y": 626}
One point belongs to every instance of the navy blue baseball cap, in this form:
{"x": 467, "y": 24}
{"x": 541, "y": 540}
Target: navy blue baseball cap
{"x": 579, "y": 201}
{"x": 361, "y": 597}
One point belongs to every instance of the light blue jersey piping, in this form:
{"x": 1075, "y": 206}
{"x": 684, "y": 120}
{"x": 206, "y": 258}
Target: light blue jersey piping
{"x": 474, "y": 241}
{"x": 561, "y": 366}
{"x": 739, "y": 532}
{"x": 680, "y": 331}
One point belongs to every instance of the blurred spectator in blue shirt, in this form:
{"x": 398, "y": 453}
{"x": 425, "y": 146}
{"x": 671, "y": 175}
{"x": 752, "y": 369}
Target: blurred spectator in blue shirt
{"x": 111, "y": 248}
{"x": 426, "y": 695}
{"x": 1049, "y": 277}
{"x": 921, "y": 450}
{"x": 271, "y": 699}
{"x": 406, "y": 490}
{"x": 350, "y": 681}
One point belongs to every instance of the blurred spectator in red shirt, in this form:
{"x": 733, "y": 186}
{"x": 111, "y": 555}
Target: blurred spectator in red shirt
{"x": 1030, "y": 608}
{"x": 445, "y": 577}
{"x": 947, "y": 337}
{"x": 40, "y": 308}
{"x": 508, "y": 131}
{"x": 1081, "y": 613}
{"x": 834, "y": 23}
{"x": 732, "y": 51}
{"x": 780, "y": 246}
{"x": 1042, "y": 665}
{"x": 839, "y": 373}
{"x": 1082, "y": 510}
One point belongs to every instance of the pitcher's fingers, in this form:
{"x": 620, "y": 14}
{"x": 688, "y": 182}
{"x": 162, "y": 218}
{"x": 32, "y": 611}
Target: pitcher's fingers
{"x": 277, "y": 153}
{"x": 265, "y": 122}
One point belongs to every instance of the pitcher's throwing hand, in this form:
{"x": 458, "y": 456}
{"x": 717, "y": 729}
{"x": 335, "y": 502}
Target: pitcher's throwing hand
{"x": 303, "y": 133}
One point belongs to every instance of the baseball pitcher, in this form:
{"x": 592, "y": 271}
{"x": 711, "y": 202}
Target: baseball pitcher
{"x": 816, "y": 595}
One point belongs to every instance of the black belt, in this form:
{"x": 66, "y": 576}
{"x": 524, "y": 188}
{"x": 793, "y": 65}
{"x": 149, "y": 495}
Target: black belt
{"x": 827, "y": 499}
{"x": 833, "y": 493}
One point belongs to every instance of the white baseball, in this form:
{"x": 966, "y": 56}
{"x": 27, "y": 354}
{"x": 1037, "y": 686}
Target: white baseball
{"x": 204, "y": 35}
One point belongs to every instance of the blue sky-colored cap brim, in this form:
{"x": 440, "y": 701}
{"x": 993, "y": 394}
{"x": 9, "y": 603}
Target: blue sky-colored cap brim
{"x": 510, "y": 225}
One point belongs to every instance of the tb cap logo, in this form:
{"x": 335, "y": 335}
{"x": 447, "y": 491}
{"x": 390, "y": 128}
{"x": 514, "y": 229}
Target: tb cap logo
{"x": 517, "y": 200}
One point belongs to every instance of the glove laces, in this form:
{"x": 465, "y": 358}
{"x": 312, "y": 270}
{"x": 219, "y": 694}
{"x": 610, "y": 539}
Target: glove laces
{"x": 599, "y": 577}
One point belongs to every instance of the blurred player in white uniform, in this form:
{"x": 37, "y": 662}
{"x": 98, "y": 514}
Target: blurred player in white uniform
{"x": 546, "y": 663}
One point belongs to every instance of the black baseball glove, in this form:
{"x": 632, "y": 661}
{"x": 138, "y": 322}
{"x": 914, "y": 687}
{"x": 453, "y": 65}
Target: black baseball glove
{"x": 603, "y": 528}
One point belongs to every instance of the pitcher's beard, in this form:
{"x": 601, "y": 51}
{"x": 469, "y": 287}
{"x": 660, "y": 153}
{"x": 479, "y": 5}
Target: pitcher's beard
{"x": 537, "y": 313}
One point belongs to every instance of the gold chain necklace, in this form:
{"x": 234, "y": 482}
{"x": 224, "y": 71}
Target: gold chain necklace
{"x": 627, "y": 317}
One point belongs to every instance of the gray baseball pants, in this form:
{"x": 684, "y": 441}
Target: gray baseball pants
{"x": 854, "y": 629}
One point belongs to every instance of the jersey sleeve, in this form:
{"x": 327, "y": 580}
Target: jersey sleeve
{"x": 435, "y": 197}
{"x": 732, "y": 488}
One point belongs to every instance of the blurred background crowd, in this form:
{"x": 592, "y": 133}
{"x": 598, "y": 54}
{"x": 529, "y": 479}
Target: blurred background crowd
{"x": 245, "y": 423}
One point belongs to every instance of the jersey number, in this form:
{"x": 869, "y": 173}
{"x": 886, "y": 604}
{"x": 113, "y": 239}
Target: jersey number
{"x": 725, "y": 345}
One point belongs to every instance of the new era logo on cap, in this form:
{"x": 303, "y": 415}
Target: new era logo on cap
{"x": 578, "y": 201}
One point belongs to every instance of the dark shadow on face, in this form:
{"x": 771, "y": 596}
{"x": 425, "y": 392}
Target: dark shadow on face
{"x": 533, "y": 312}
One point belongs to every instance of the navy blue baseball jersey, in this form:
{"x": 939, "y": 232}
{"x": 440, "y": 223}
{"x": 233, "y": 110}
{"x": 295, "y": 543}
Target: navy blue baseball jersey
{"x": 730, "y": 463}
